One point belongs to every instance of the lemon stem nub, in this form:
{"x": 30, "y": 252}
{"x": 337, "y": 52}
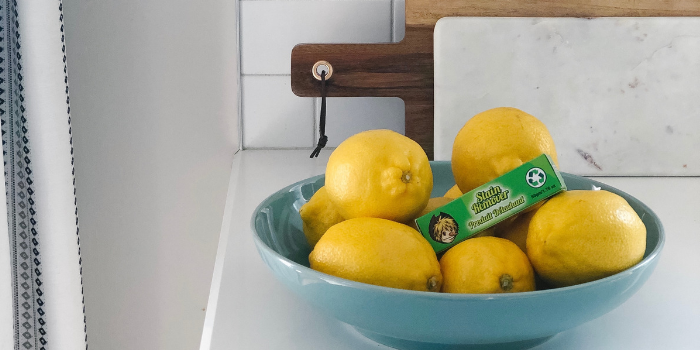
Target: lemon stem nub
{"x": 506, "y": 282}
{"x": 406, "y": 177}
{"x": 432, "y": 284}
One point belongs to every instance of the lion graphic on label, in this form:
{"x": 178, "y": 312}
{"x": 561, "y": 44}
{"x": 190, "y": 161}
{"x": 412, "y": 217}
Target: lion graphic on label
{"x": 443, "y": 228}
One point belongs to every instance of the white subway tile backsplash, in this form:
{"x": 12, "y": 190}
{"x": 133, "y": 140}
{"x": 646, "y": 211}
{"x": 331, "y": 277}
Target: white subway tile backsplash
{"x": 270, "y": 29}
{"x": 348, "y": 116}
{"x": 273, "y": 117}
{"x": 399, "y": 22}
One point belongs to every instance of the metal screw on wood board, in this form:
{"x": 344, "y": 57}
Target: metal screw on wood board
{"x": 321, "y": 66}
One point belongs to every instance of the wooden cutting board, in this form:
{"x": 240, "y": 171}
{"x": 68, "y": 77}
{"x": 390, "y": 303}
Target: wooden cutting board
{"x": 405, "y": 69}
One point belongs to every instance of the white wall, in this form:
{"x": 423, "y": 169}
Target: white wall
{"x": 153, "y": 87}
{"x": 272, "y": 116}
{"x": 154, "y": 102}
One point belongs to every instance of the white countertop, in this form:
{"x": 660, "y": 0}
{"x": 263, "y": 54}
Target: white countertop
{"x": 249, "y": 309}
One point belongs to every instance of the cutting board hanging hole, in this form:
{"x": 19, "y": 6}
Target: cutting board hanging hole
{"x": 322, "y": 66}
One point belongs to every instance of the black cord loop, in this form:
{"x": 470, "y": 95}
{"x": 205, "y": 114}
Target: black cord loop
{"x": 323, "y": 139}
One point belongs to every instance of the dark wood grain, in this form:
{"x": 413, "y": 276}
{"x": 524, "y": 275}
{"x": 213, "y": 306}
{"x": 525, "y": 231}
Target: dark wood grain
{"x": 427, "y": 12}
{"x": 405, "y": 69}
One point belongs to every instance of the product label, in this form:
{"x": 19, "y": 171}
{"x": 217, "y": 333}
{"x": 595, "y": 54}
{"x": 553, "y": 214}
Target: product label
{"x": 491, "y": 203}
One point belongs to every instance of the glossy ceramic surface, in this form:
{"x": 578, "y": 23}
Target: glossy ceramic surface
{"x": 420, "y": 320}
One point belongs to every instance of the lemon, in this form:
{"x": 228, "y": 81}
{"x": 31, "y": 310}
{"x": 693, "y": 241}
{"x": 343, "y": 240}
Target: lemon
{"x": 318, "y": 215}
{"x": 496, "y": 141}
{"x": 486, "y": 265}
{"x": 516, "y": 230}
{"x": 581, "y": 236}
{"x": 379, "y": 173}
{"x": 437, "y": 202}
{"x": 380, "y": 252}
{"x": 433, "y": 203}
{"x": 453, "y": 192}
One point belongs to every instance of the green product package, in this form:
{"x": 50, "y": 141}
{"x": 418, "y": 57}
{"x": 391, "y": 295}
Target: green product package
{"x": 491, "y": 203}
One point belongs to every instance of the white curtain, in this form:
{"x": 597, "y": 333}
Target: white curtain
{"x": 40, "y": 271}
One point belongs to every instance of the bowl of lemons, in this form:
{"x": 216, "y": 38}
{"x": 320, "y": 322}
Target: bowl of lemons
{"x": 344, "y": 242}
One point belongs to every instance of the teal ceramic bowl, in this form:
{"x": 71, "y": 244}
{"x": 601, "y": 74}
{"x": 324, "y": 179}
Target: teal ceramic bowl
{"x": 420, "y": 320}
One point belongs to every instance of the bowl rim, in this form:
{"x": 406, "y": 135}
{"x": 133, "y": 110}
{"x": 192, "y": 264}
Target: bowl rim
{"x": 653, "y": 255}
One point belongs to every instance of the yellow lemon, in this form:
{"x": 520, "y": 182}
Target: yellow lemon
{"x": 495, "y": 142}
{"x": 581, "y": 236}
{"x": 486, "y": 265}
{"x": 453, "y": 192}
{"x": 516, "y": 230}
{"x": 379, "y": 173}
{"x": 318, "y": 215}
{"x": 379, "y": 252}
{"x": 433, "y": 203}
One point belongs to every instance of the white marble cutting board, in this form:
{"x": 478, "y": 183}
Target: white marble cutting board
{"x": 620, "y": 96}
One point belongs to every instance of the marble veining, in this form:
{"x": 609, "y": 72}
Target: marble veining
{"x": 620, "y": 96}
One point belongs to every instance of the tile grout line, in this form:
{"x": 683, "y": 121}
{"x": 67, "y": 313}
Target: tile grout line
{"x": 392, "y": 16}
{"x": 328, "y": 148}
{"x": 311, "y": 0}
{"x": 265, "y": 74}
{"x": 240, "y": 75}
